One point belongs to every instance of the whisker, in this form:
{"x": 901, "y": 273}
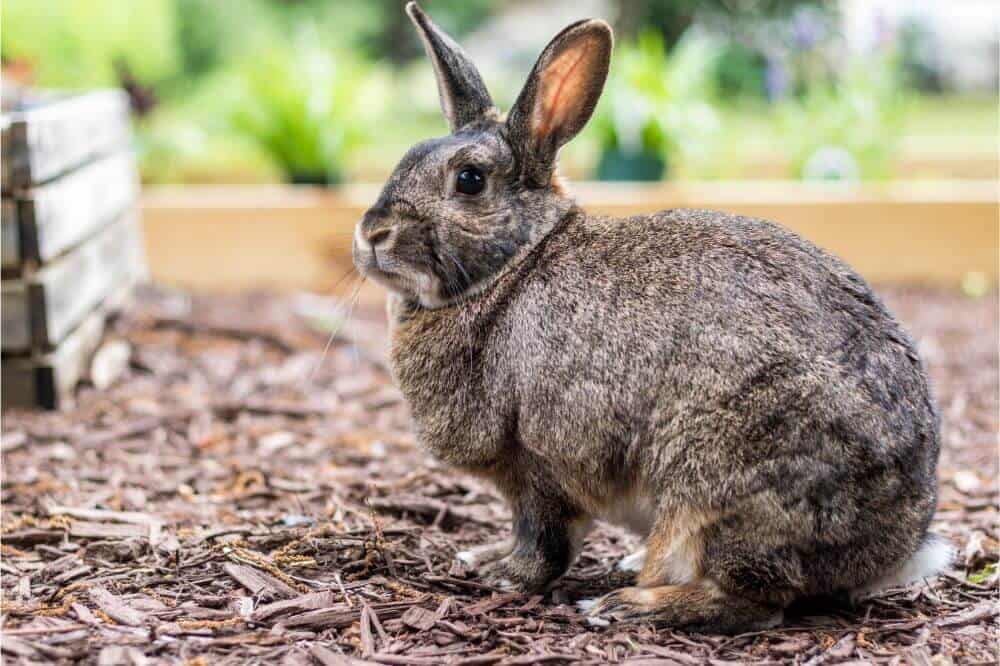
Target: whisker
{"x": 338, "y": 281}
{"x": 350, "y": 313}
{"x": 333, "y": 334}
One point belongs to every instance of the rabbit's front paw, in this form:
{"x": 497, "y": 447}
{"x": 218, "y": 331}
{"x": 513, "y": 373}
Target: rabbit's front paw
{"x": 516, "y": 574}
{"x": 480, "y": 555}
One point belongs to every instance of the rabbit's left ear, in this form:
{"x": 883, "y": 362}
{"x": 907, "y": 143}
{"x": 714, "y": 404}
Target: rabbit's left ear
{"x": 559, "y": 96}
{"x": 464, "y": 97}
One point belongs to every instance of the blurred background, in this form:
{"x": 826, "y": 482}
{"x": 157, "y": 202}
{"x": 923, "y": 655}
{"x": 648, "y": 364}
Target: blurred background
{"x": 263, "y": 128}
{"x": 316, "y": 91}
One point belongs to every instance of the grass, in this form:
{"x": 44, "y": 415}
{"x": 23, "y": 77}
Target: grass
{"x": 954, "y": 116}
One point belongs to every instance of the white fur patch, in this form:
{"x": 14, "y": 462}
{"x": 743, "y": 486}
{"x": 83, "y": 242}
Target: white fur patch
{"x": 586, "y": 605}
{"x": 933, "y": 555}
{"x": 633, "y": 563}
{"x": 466, "y": 557}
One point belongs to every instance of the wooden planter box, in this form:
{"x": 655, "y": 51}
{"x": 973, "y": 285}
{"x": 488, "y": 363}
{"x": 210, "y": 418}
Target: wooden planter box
{"x": 933, "y": 232}
{"x": 72, "y": 243}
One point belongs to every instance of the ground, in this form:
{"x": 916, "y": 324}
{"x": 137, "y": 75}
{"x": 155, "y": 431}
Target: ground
{"x": 240, "y": 496}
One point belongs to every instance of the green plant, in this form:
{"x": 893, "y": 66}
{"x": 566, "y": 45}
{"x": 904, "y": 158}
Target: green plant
{"x": 847, "y": 129}
{"x": 79, "y": 43}
{"x": 656, "y": 108}
{"x": 306, "y": 105}
{"x": 189, "y": 139}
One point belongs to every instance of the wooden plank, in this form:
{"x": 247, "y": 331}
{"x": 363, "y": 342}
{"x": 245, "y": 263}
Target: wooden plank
{"x": 48, "y": 381}
{"x": 299, "y": 238}
{"x": 10, "y": 237}
{"x": 15, "y": 315}
{"x": 56, "y": 298}
{"x": 52, "y": 136}
{"x": 49, "y": 219}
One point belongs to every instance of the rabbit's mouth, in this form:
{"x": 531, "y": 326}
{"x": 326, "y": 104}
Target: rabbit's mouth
{"x": 384, "y": 268}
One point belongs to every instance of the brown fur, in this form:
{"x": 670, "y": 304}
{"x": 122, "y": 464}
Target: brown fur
{"x": 714, "y": 382}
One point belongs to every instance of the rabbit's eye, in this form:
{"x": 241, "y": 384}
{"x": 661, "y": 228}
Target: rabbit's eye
{"x": 470, "y": 181}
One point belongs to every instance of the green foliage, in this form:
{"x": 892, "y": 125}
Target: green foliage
{"x": 306, "y": 105}
{"x": 739, "y": 71}
{"x": 655, "y": 104}
{"x": 388, "y": 34}
{"x": 77, "y": 43}
{"x": 190, "y": 140}
{"x": 847, "y": 128}
{"x": 672, "y": 18}
{"x": 981, "y": 576}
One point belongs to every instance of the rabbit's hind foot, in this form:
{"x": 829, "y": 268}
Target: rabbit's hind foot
{"x": 699, "y": 606}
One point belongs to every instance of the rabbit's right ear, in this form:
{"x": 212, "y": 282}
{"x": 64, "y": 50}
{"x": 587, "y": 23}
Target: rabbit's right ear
{"x": 464, "y": 97}
{"x": 559, "y": 97}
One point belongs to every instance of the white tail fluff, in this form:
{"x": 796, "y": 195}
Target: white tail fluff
{"x": 933, "y": 555}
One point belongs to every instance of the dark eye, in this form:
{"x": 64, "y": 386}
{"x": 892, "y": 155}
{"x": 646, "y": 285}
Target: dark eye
{"x": 470, "y": 181}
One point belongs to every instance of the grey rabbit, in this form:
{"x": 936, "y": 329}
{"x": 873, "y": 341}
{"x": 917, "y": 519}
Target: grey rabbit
{"x": 734, "y": 395}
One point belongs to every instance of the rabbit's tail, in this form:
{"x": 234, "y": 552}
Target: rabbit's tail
{"x": 933, "y": 555}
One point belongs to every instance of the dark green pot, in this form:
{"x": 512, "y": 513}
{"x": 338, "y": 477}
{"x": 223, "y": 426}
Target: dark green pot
{"x": 618, "y": 165}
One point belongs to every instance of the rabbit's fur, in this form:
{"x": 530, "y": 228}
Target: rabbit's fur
{"x": 733, "y": 394}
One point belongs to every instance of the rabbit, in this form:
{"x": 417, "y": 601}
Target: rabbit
{"x": 737, "y": 397}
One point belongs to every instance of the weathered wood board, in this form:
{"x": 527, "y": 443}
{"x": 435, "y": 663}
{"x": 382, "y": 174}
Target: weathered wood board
{"x": 300, "y": 238}
{"x": 46, "y": 380}
{"x": 40, "y": 310}
{"x": 43, "y": 221}
{"x": 50, "y": 138}
{"x": 10, "y": 240}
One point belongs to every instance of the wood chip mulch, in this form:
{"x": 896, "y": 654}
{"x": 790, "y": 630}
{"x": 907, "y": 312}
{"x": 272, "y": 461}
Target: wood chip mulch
{"x": 240, "y": 497}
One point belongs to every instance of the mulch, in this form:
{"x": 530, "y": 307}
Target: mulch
{"x": 240, "y": 496}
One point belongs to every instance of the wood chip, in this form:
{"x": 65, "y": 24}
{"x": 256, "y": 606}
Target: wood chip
{"x": 299, "y": 604}
{"x": 419, "y": 618}
{"x": 496, "y": 602}
{"x": 256, "y": 581}
{"x": 86, "y": 530}
{"x": 115, "y": 608}
{"x": 982, "y": 611}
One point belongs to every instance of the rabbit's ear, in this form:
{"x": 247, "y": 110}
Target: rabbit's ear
{"x": 560, "y": 96}
{"x": 464, "y": 97}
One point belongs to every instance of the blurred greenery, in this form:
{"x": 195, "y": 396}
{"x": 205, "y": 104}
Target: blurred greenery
{"x": 846, "y": 129}
{"x": 301, "y": 103}
{"x": 655, "y": 107}
{"x": 76, "y": 43}
{"x": 319, "y": 91}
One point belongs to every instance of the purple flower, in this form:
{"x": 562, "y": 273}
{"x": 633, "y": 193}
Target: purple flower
{"x": 883, "y": 33}
{"x": 807, "y": 30}
{"x": 776, "y": 79}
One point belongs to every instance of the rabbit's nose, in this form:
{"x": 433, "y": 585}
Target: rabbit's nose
{"x": 377, "y": 237}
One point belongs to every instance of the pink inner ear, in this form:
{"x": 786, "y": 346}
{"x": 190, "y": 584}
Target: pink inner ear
{"x": 562, "y": 88}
